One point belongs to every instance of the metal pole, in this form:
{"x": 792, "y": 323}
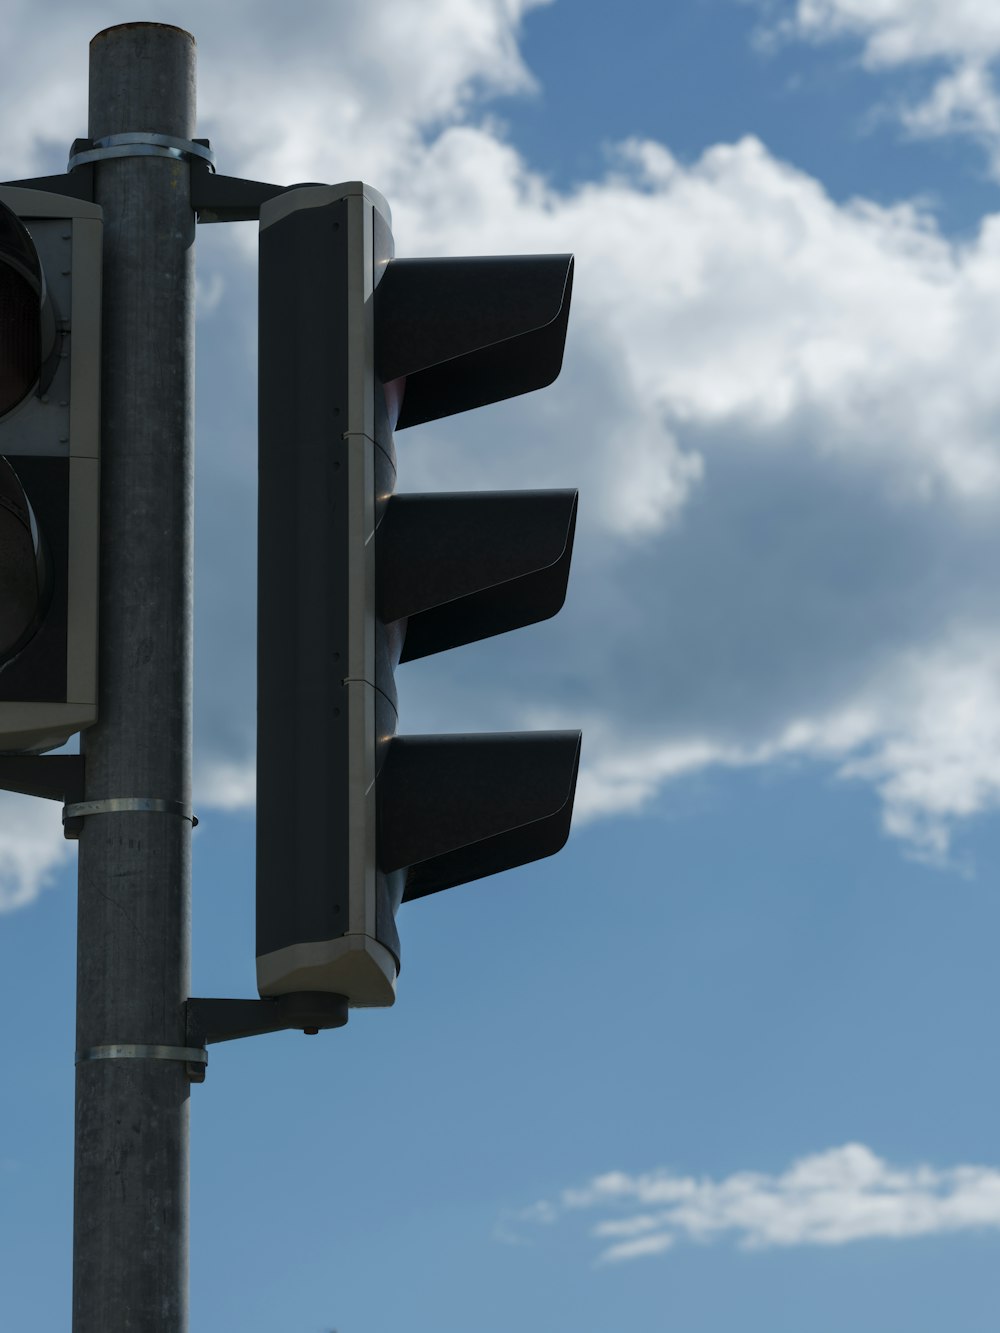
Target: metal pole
{"x": 130, "y": 1239}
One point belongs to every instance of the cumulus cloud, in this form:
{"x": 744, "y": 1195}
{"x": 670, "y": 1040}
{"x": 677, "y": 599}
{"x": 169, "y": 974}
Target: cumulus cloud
{"x": 895, "y": 31}
{"x": 782, "y": 412}
{"x": 834, "y": 1197}
{"x": 963, "y": 34}
{"x": 359, "y": 82}
{"x": 356, "y": 98}
{"x": 814, "y": 382}
{"x": 32, "y": 848}
{"x": 925, "y": 733}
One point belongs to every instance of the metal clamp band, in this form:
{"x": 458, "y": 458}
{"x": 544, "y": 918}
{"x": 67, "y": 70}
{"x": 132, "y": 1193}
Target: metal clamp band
{"x": 131, "y": 1051}
{"x": 142, "y": 145}
{"x": 116, "y": 804}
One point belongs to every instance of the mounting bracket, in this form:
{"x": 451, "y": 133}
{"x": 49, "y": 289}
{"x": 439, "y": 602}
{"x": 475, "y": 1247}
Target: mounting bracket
{"x": 211, "y": 1020}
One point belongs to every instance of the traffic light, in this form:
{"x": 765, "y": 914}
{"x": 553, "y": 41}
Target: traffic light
{"x": 353, "y": 820}
{"x": 50, "y": 363}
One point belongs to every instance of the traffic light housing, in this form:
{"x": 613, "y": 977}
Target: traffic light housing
{"x": 50, "y": 362}
{"x": 353, "y": 820}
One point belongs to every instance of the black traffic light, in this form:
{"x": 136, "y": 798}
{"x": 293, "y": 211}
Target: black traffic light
{"x": 50, "y": 365}
{"x": 352, "y": 820}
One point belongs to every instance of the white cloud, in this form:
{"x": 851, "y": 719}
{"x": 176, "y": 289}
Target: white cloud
{"x": 896, "y": 31}
{"x": 962, "y": 102}
{"x": 823, "y": 374}
{"x": 735, "y": 291}
{"x": 354, "y": 100}
{"x": 936, "y": 756}
{"x": 32, "y": 848}
{"x": 359, "y": 82}
{"x": 925, "y": 733}
{"x": 783, "y": 414}
{"x": 964, "y": 34}
{"x": 834, "y": 1197}
{"x": 226, "y": 785}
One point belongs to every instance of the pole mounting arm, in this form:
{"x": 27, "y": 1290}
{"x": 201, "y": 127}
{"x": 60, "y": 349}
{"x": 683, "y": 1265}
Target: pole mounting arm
{"x": 213, "y": 1020}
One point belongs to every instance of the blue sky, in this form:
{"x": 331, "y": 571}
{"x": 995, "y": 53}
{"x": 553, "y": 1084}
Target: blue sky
{"x": 727, "y": 1062}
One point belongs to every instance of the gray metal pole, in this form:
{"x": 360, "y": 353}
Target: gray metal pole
{"x": 130, "y": 1248}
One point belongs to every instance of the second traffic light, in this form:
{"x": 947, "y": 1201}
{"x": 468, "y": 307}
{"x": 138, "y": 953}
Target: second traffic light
{"x": 50, "y": 372}
{"x": 353, "y": 820}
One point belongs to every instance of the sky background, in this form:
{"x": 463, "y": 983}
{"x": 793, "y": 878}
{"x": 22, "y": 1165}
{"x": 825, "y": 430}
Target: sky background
{"x": 727, "y": 1063}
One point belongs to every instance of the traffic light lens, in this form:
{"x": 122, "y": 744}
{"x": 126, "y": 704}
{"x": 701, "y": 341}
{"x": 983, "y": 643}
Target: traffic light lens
{"x": 20, "y": 313}
{"x": 24, "y": 569}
